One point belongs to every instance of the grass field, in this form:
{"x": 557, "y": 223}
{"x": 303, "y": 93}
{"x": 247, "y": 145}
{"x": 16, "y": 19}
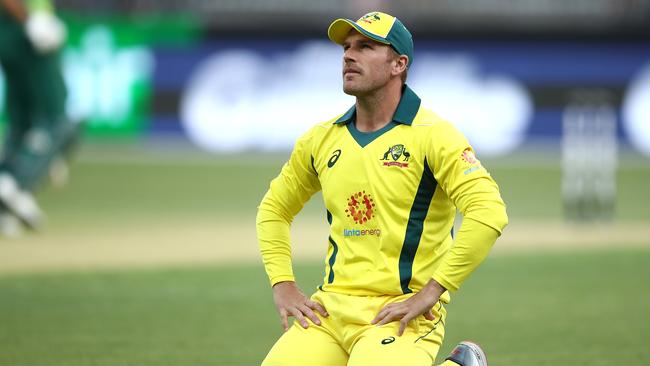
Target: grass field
{"x": 155, "y": 263}
{"x": 552, "y": 309}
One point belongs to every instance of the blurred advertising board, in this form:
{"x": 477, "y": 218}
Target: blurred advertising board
{"x": 239, "y": 94}
{"x": 108, "y": 65}
{"x": 236, "y": 93}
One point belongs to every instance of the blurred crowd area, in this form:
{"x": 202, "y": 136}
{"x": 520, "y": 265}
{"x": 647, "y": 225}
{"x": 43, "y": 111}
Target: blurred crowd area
{"x": 507, "y": 73}
{"x": 532, "y": 17}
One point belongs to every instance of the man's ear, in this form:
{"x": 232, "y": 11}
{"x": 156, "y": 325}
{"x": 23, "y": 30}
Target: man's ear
{"x": 401, "y": 63}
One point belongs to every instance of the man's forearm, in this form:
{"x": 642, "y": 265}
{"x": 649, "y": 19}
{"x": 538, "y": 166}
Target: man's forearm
{"x": 472, "y": 244}
{"x": 273, "y": 234}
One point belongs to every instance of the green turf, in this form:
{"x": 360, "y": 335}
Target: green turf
{"x": 560, "y": 309}
{"x": 531, "y": 309}
{"x": 551, "y": 309}
{"x": 533, "y": 191}
{"x": 145, "y": 186}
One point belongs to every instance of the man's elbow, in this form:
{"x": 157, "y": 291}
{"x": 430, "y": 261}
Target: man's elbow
{"x": 267, "y": 211}
{"x": 492, "y": 214}
{"x": 501, "y": 217}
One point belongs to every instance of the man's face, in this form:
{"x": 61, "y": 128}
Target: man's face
{"x": 367, "y": 64}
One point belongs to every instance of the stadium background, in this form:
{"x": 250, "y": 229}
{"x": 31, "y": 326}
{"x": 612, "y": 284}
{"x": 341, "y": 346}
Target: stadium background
{"x": 149, "y": 255}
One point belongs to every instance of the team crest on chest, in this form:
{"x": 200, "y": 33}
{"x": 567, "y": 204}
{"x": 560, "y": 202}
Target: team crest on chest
{"x": 399, "y": 155}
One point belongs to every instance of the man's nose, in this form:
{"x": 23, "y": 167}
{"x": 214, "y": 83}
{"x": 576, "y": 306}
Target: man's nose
{"x": 348, "y": 55}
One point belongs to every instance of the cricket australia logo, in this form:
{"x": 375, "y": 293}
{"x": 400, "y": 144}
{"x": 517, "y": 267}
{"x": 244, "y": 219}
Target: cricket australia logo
{"x": 370, "y": 17}
{"x": 396, "y": 152}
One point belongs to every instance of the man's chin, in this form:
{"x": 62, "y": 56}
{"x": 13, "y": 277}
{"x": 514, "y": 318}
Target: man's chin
{"x": 351, "y": 90}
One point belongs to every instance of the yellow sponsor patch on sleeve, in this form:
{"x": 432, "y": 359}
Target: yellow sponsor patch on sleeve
{"x": 468, "y": 157}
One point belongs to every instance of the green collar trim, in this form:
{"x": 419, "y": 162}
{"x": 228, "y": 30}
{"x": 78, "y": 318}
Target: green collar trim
{"x": 408, "y": 107}
{"x": 364, "y": 138}
{"x": 347, "y": 117}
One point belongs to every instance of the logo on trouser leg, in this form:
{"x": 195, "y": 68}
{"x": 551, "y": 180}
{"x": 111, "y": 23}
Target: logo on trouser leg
{"x": 388, "y": 340}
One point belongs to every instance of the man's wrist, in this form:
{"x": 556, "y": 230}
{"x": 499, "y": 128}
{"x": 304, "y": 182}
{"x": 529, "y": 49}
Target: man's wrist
{"x": 284, "y": 281}
{"x": 284, "y": 284}
{"x": 281, "y": 278}
{"x": 437, "y": 285}
{"x": 434, "y": 289}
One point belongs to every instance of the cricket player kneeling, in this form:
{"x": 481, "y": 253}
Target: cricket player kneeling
{"x": 392, "y": 175}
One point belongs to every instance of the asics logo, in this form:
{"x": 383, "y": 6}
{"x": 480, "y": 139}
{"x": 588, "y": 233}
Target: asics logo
{"x": 334, "y": 158}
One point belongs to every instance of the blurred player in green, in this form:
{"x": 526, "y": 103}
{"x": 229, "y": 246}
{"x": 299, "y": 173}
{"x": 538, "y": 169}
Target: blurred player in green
{"x": 392, "y": 175}
{"x": 37, "y": 129}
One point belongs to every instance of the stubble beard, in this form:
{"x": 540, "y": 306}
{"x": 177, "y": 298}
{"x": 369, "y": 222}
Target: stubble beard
{"x": 363, "y": 85}
{"x": 358, "y": 88}
{"x": 351, "y": 90}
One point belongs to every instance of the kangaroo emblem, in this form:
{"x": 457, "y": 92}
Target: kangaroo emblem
{"x": 396, "y": 152}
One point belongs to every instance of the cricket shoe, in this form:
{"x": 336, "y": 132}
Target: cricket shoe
{"x": 20, "y": 203}
{"x": 468, "y": 354}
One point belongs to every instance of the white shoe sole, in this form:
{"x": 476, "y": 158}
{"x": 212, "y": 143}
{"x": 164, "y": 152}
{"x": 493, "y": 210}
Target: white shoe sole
{"x": 478, "y": 352}
{"x": 22, "y": 204}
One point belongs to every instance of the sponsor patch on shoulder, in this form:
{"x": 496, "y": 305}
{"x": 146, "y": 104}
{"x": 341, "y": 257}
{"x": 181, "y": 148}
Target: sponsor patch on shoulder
{"x": 469, "y": 157}
{"x": 471, "y": 170}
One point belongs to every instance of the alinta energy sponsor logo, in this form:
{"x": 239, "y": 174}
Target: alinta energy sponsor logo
{"x": 469, "y": 157}
{"x": 396, "y": 152}
{"x": 362, "y": 209}
{"x": 361, "y": 232}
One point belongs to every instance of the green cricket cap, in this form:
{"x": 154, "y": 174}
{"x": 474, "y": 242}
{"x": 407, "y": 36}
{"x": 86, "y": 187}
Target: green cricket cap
{"x": 378, "y": 26}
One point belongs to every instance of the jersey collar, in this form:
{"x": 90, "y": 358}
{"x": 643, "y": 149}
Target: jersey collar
{"x": 406, "y": 110}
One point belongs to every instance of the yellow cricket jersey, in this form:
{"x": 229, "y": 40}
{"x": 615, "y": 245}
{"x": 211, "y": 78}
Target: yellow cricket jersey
{"x": 391, "y": 198}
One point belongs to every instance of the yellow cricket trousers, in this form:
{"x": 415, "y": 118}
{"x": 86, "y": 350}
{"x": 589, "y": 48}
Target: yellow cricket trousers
{"x": 346, "y": 337}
